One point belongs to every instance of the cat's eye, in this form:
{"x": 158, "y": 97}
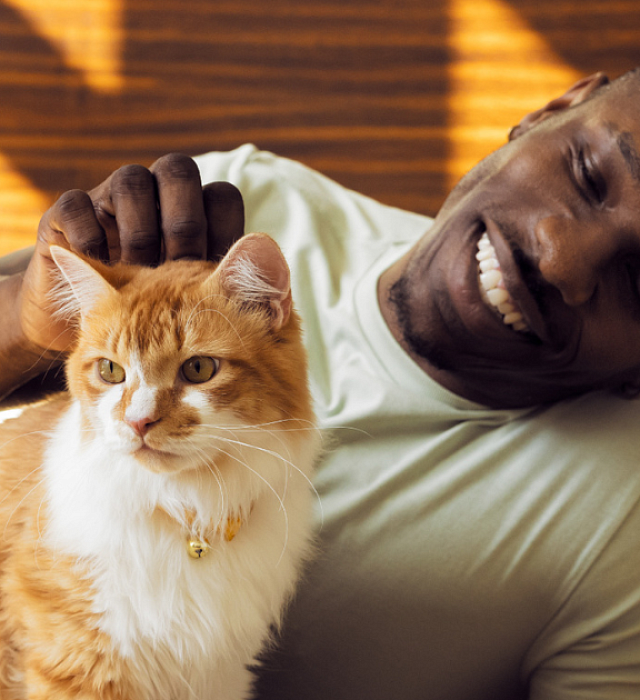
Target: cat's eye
{"x": 199, "y": 369}
{"x": 110, "y": 371}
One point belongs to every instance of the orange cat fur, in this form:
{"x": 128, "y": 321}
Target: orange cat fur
{"x": 102, "y": 489}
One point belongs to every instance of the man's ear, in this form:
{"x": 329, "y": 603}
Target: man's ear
{"x": 575, "y": 94}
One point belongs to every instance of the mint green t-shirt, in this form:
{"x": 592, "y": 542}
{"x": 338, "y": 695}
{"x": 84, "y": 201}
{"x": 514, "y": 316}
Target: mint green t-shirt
{"x": 465, "y": 553}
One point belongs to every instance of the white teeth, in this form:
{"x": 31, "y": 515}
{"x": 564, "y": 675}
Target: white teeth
{"x": 490, "y": 279}
{"x": 506, "y": 308}
{"x": 497, "y": 296}
{"x": 492, "y": 286}
{"x": 512, "y": 318}
{"x": 484, "y": 253}
{"x": 488, "y": 264}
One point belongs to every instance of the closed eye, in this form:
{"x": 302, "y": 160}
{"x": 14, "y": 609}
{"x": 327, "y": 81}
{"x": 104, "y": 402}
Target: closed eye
{"x": 589, "y": 180}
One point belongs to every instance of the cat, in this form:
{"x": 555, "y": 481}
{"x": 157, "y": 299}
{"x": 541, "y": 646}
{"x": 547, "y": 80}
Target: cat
{"x": 156, "y": 517}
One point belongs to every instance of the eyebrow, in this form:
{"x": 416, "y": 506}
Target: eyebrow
{"x": 629, "y": 152}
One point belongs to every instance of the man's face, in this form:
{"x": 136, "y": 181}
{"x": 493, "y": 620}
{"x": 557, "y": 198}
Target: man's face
{"x": 560, "y": 206}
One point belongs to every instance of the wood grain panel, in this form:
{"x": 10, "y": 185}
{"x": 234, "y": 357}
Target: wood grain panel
{"x": 394, "y": 98}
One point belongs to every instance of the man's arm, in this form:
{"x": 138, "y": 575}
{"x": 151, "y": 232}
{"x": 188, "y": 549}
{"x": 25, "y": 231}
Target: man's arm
{"x": 591, "y": 648}
{"x": 137, "y": 215}
{"x": 20, "y": 361}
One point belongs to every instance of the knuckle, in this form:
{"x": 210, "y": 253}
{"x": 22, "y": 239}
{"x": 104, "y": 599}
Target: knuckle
{"x": 132, "y": 180}
{"x": 139, "y": 240}
{"x": 185, "y": 230}
{"x": 176, "y": 166}
{"x": 106, "y": 221}
{"x": 73, "y": 204}
{"x": 101, "y": 210}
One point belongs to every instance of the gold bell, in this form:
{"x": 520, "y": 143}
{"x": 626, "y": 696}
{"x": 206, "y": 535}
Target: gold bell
{"x": 197, "y": 549}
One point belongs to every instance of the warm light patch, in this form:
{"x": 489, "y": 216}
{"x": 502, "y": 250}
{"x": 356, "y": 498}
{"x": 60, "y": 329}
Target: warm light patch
{"x": 21, "y": 206}
{"x": 88, "y": 35}
{"x": 500, "y": 69}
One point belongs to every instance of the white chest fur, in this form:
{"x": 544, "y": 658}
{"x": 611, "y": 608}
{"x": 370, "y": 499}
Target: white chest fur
{"x": 188, "y": 625}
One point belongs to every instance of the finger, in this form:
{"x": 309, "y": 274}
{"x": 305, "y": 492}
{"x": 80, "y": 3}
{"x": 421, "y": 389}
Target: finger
{"x": 71, "y": 222}
{"x": 182, "y": 217}
{"x": 133, "y": 203}
{"x": 106, "y": 216}
{"x": 225, "y": 217}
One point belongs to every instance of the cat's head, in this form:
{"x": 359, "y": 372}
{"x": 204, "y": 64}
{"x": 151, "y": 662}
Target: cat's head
{"x": 170, "y": 359}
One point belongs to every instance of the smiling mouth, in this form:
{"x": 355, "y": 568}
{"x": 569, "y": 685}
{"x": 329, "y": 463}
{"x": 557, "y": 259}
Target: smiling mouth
{"x": 493, "y": 290}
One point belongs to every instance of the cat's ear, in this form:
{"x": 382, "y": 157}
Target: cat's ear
{"x": 80, "y": 286}
{"x": 256, "y": 270}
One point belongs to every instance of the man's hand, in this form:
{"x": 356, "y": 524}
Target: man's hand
{"x": 137, "y": 215}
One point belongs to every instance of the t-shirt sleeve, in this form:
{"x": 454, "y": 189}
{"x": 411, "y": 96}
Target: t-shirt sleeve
{"x": 591, "y": 649}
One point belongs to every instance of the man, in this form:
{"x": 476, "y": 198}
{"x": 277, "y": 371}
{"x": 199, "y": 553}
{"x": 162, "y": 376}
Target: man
{"x": 479, "y": 509}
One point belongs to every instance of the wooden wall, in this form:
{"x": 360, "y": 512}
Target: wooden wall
{"x": 395, "y": 98}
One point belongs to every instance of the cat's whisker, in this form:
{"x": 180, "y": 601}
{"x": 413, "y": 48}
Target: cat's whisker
{"x": 270, "y": 487}
{"x": 257, "y": 427}
{"x": 196, "y": 312}
{"x": 188, "y": 686}
{"x": 206, "y": 461}
{"x": 284, "y": 445}
{"x": 286, "y": 462}
{"x": 279, "y": 421}
{"x": 312, "y": 426}
{"x": 40, "y": 534}
{"x": 18, "y": 484}
{"x": 261, "y": 429}
{"x": 13, "y": 512}
{"x": 42, "y": 501}
{"x": 224, "y": 496}
{"x": 58, "y": 354}
{"x": 46, "y": 433}
{"x": 283, "y": 459}
{"x": 237, "y": 435}
{"x": 208, "y": 297}
{"x": 237, "y": 458}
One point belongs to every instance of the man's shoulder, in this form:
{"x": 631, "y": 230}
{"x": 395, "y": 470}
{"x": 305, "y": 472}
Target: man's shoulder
{"x": 279, "y": 191}
{"x": 595, "y": 421}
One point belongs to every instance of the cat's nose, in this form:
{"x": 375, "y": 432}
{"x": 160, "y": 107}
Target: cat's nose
{"x": 141, "y": 427}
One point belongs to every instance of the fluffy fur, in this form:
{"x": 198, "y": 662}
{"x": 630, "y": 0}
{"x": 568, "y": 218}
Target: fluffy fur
{"x": 101, "y": 488}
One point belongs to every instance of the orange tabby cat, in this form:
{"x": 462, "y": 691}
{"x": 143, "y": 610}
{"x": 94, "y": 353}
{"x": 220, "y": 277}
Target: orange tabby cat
{"x": 154, "y": 521}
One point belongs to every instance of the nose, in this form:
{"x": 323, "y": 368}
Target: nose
{"x": 572, "y": 255}
{"x": 141, "y": 426}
